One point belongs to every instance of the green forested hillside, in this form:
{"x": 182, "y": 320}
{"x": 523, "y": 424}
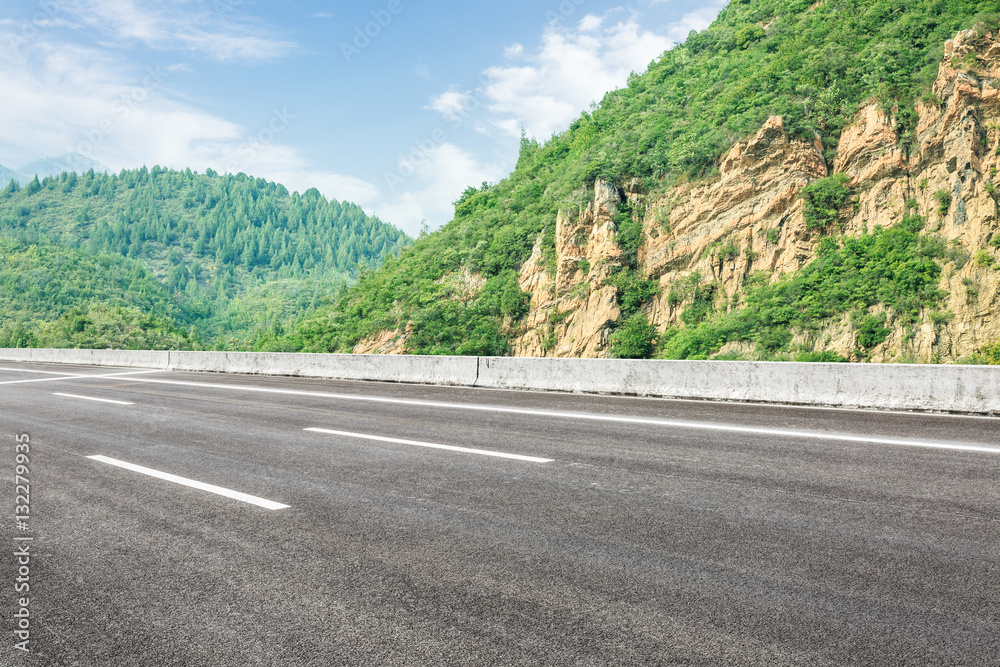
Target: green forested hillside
{"x": 41, "y": 282}
{"x": 227, "y": 258}
{"x": 812, "y": 62}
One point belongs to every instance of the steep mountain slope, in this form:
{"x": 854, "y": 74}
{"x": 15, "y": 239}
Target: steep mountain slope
{"x": 728, "y": 202}
{"x": 229, "y": 258}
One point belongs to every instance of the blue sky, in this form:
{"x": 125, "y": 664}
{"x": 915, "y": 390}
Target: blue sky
{"x": 397, "y": 105}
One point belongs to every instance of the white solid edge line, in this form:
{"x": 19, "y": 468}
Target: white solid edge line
{"x": 90, "y": 398}
{"x": 415, "y": 443}
{"x": 58, "y": 379}
{"x": 815, "y": 435}
{"x": 126, "y": 373}
{"x": 27, "y": 370}
{"x": 65, "y": 376}
{"x": 80, "y": 375}
{"x": 236, "y": 495}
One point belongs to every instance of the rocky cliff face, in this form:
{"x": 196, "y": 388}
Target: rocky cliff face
{"x": 750, "y": 218}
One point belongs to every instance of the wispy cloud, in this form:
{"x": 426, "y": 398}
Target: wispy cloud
{"x": 699, "y": 19}
{"x": 452, "y": 104}
{"x": 541, "y": 90}
{"x": 216, "y": 29}
{"x": 544, "y": 91}
{"x": 439, "y": 179}
{"x": 63, "y": 98}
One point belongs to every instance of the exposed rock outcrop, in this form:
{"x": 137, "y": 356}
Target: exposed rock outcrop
{"x": 750, "y": 218}
{"x": 572, "y": 316}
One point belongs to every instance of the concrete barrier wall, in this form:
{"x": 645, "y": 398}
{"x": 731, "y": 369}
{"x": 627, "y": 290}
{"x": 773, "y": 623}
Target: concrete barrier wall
{"x": 967, "y": 389}
{"x": 460, "y": 371}
{"x": 971, "y": 389}
{"x": 116, "y": 358}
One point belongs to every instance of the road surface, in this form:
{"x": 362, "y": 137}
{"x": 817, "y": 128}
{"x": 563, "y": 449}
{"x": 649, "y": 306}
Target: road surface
{"x": 203, "y": 519}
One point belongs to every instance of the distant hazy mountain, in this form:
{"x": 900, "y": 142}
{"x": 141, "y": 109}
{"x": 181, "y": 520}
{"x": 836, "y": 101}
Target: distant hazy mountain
{"x": 6, "y": 175}
{"x": 51, "y": 166}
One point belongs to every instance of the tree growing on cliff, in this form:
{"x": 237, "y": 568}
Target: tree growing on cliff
{"x": 824, "y": 200}
{"x": 634, "y": 339}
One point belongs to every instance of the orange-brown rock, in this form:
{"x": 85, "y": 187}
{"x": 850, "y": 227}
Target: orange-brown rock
{"x": 384, "y": 342}
{"x": 750, "y": 219}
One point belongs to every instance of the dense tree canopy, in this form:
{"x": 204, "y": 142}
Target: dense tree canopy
{"x": 236, "y": 258}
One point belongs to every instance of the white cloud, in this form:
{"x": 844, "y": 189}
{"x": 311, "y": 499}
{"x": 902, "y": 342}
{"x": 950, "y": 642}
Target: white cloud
{"x": 572, "y": 68}
{"x": 591, "y": 23}
{"x": 453, "y": 105}
{"x": 217, "y": 29}
{"x": 547, "y": 89}
{"x": 443, "y": 173}
{"x": 697, "y": 20}
{"x": 543, "y": 93}
{"x": 64, "y": 98}
{"x": 513, "y": 51}
{"x": 227, "y": 48}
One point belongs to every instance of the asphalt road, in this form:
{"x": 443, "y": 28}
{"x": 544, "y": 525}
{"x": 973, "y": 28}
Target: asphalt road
{"x": 621, "y": 532}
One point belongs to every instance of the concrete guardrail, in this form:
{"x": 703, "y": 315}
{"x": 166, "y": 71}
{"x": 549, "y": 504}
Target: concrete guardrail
{"x": 968, "y": 389}
{"x": 960, "y": 389}
{"x": 460, "y": 371}
{"x": 116, "y": 358}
